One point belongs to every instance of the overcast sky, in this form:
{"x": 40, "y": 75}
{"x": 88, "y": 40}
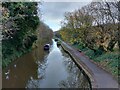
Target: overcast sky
{"x": 53, "y": 12}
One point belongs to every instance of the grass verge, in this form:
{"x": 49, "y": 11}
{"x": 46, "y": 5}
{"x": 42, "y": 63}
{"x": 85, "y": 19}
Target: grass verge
{"x": 108, "y": 61}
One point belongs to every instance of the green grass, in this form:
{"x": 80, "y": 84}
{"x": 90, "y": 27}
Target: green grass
{"x": 108, "y": 60}
{"x": 10, "y": 58}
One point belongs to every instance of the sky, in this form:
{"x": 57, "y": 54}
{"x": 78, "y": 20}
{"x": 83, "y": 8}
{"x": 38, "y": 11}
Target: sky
{"x": 53, "y": 12}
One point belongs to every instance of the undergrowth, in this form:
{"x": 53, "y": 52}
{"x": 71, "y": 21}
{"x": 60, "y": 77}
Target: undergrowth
{"x": 108, "y": 60}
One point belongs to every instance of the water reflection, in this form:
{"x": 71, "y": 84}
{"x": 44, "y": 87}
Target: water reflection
{"x": 17, "y": 74}
{"x": 58, "y": 71}
{"x": 41, "y": 69}
{"x": 75, "y": 78}
{"x": 52, "y": 70}
{"x": 16, "y": 77}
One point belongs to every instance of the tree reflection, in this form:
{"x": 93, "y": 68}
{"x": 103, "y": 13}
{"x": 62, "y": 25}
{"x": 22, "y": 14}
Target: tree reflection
{"x": 76, "y": 79}
{"x": 35, "y": 83}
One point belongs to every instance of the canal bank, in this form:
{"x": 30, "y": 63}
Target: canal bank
{"x": 45, "y": 69}
{"x": 17, "y": 74}
{"x": 59, "y": 71}
{"x": 97, "y": 76}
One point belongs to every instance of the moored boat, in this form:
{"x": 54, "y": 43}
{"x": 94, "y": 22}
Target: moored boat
{"x": 46, "y": 46}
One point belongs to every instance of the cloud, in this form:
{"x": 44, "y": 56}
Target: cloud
{"x": 53, "y": 12}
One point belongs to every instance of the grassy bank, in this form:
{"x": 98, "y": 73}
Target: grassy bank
{"x": 108, "y": 61}
{"x": 11, "y": 54}
{"x": 15, "y": 54}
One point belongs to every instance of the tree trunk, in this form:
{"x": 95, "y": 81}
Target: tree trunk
{"x": 111, "y": 44}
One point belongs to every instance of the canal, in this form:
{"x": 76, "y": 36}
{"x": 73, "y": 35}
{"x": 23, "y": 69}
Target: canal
{"x": 44, "y": 69}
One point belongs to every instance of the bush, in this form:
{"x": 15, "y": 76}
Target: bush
{"x": 19, "y": 34}
{"x": 107, "y": 60}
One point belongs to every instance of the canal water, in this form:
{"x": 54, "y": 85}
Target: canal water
{"x": 44, "y": 69}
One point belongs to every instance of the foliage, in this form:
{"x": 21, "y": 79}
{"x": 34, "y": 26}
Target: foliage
{"x": 94, "y": 29}
{"x": 45, "y": 33}
{"x": 108, "y": 60}
{"x": 20, "y": 22}
{"x": 94, "y": 26}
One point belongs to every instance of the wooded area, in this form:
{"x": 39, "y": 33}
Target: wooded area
{"x": 94, "y": 27}
{"x": 20, "y": 23}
